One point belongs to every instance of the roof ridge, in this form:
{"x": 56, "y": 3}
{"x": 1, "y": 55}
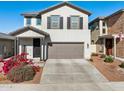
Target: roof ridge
{"x": 56, "y": 6}
{"x": 20, "y": 30}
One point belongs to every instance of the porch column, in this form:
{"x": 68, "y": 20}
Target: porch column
{"x": 41, "y": 48}
{"x": 15, "y": 47}
{"x": 45, "y": 51}
{"x": 20, "y": 49}
{"x": 114, "y": 46}
{"x": 104, "y": 41}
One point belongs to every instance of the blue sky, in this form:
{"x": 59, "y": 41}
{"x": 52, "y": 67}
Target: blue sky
{"x": 10, "y": 18}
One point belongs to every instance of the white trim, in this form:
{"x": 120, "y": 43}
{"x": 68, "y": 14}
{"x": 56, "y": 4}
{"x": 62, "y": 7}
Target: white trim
{"x": 20, "y": 49}
{"x": 45, "y": 50}
{"x": 121, "y": 59}
{"x": 15, "y": 47}
{"x": 42, "y": 52}
{"x": 117, "y": 35}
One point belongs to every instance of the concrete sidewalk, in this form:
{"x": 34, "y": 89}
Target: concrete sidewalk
{"x": 107, "y": 86}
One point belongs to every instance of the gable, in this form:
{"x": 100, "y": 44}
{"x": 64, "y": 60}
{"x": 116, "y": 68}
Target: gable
{"x": 64, "y": 10}
{"x": 29, "y": 33}
{"x": 34, "y": 14}
{"x": 29, "y": 30}
{"x": 62, "y": 5}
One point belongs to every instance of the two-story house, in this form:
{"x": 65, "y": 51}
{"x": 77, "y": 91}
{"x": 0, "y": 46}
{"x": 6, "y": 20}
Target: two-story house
{"x": 107, "y": 34}
{"x": 60, "y": 31}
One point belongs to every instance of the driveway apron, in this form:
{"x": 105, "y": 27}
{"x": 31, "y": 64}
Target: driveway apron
{"x": 59, "y": 71}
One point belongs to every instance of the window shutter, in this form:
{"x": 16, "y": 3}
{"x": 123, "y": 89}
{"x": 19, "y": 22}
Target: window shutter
{"x": 81, "y": 22}
{"x": 68, "y": 22}
{"x": 61, "y": 22}
{"x": 48, "y": 23}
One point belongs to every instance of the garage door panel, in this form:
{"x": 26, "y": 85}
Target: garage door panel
{"x": 65, "y": 51}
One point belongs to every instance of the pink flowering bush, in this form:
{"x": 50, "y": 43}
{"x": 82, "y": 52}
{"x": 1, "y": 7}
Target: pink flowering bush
{"x": 14, "y": 61}
{"x": 18, "y": 68}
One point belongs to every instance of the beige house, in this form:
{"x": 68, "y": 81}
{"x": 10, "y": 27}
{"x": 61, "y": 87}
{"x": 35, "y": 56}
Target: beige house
{"x": 58, "y": 32}
{"x": 6, "y": 45}
{"x": 107, "y": 34}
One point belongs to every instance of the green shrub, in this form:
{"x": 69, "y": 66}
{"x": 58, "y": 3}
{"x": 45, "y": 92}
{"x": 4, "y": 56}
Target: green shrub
{"x": 121, "y": 65}
{"x": 21, "y": 73}
{"x": 108, "y": 59}
{"x": 102, "y": 56}
{"x": 94, "y": 54}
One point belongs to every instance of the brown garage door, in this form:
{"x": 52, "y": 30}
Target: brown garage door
{"x": 66, "y": 51}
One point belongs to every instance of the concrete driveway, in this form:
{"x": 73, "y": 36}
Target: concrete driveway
{"x": 71, "y": 74}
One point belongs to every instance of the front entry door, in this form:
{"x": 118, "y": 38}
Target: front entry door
{"x": 36, "y": 47}
{"x": 109, "y": 46}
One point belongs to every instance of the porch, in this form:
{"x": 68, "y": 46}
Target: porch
{"x": 35, "y": 47}
{"x": 32, "y": 41}
{"x": 113, "y": 45}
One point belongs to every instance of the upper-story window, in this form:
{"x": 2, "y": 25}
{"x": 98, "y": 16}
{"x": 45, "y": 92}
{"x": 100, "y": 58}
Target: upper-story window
{"x": 103, "y": 23}
{"x": 28, "y": 21}
{"x": 94, "y": 26}
{"x": 92, "y": 41}
{"x": 104, "y": 31}
{"x": 55, "y": 21}
{"x": 75, "y": 22}
{"x": 38, "y": 21}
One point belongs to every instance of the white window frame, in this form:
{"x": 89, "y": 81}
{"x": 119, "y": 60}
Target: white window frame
{"x": 27, "y": 21}
{"x": 53, "y": 21}
{"x": 78, "y": 23}
{"x": 37, "y": 19}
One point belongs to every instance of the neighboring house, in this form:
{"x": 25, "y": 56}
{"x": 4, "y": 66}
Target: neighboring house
{"x": 60, "y": 31}
{"x": 6, "y": 45}
{"x": 107, "y": 34}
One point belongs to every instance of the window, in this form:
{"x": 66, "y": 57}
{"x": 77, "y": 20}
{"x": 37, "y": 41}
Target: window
{"x": 75, "y": 22}
{"x": 103, "y": 30}
{"x": 92, "y": 41}
{"x": 94, "y": 26}
{"x": 103, "y": 23}
{"x": 38, "y": 21}
{"x": 28, "y": 21}
{"x": 55, "y": 21}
